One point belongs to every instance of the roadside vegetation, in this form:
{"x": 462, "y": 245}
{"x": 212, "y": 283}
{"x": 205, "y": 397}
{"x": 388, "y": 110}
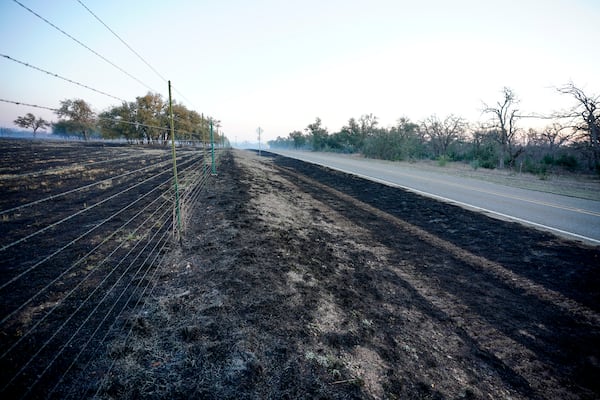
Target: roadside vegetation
{"x": 569, "y": 142}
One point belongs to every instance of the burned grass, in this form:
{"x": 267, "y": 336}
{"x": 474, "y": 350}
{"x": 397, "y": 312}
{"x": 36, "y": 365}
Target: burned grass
{"x": 300, "y": 282}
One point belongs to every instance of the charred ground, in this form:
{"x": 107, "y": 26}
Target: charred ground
{"x": 296, "y": 281}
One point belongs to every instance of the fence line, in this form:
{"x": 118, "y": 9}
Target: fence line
{"x": 97, "y": 305}
{"x": 119, "y": 314}
{"x": 142, "y": 296}
{"x": 128, "y": 335}
{"x": 100, "y": 295}
{"x": 79, "y": 189}
{"x": 71, "y": 316}
{"x": 51, "y": 171}
{"x": 85, "y": 257}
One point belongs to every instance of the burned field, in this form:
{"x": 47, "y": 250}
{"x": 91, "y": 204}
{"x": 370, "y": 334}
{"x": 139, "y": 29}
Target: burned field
{"x": 295, "y": 281}
{"x": 83, "y": 228}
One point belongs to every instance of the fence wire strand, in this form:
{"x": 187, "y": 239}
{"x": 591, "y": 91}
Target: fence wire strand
{"x": 98, "y": 309}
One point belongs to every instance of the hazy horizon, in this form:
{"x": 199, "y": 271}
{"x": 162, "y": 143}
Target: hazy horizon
{"x": 280, "y": 65}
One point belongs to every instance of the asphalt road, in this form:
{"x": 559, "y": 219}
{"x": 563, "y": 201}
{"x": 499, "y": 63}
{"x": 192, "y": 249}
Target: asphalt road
{"x": 571, "y": 217}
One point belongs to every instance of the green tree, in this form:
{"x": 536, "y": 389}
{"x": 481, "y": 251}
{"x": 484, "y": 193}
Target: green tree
{"x": 76, "y": 116}
{"x": 30, "y": 121}
{"x": 119, "y": 122}
{"x": 401, "y": 142}
{"x": 151, "y": 115}
{"x": 298, "y": 139}
{"x": 318, "y": 135}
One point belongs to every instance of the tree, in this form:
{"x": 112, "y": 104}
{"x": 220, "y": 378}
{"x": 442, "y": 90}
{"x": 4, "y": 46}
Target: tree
{"x": 400, "y": 142}
{"x": 30, "y": 121}
{"x": 505, "y": 115}
{"x": 318, "y": 135}
{"x": 442, "y": 133}
{"x": 586, "y": 117}
{"x": 151, "y": 115}
{"x": 552, "y": 136}
{"x": 76, "y": 116}
{"x": 118, "y": 122}
{"x": 298, "y": 139}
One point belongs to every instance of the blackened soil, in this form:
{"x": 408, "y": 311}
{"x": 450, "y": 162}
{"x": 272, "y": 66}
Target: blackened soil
{"x": 296, "y": 281}
{"x": 81, "y": 226}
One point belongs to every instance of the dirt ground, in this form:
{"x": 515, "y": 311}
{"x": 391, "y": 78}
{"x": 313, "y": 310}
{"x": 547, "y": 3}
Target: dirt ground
{"x": 298, "y": 282}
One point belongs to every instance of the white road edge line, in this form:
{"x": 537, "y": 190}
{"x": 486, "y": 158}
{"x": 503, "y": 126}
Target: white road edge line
{"x": 460, "y": 203}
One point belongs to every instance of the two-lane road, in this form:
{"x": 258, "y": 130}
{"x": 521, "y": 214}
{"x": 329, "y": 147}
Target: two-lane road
{"x": 566, "y": 216}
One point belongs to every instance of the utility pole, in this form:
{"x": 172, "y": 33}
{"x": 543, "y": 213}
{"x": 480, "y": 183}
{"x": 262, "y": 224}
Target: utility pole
{"x": 260, "y": 131}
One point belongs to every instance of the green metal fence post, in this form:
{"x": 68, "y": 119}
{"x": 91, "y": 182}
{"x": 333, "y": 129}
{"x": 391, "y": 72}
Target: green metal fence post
{"x": 176, "y": 185}
{"x": 212, "y": 148}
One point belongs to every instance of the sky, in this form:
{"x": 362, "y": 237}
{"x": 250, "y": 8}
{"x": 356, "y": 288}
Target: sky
{"x": 279, "y": 64}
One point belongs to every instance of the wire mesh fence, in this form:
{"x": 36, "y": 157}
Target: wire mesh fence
{"x": 83, "y": 231}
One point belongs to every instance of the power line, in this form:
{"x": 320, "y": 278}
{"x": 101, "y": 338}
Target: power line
{"x": 83, "y": 45}
{"x": 60, "y": 77}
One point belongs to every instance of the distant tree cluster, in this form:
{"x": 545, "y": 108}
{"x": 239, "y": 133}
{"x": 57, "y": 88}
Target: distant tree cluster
{"x": 145, "y": 120}
{"x": 571, "y": 142}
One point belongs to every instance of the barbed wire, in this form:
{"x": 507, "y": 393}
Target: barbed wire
{"x": 19, "y": 103}
{"x": 60, "y": 77}
{"x": 133, "y": 51}
{"x": 122, "y": 41}
{"x": 84, "y": 45}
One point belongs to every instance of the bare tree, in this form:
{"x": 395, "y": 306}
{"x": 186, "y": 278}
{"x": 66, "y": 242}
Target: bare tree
{"x": 30, "y": 121}
{"x": 586, "y": 118}
{"x": 556, "y": 135}
{"x": 505, "y": 114}
{"x": 442, "y": 133}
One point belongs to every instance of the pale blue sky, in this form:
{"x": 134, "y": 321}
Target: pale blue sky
{"x": 280, "y": 64}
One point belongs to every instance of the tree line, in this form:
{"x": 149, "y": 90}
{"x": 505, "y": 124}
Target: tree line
{"x": 570, "y": 141}
{"x": 144, "y": 120}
